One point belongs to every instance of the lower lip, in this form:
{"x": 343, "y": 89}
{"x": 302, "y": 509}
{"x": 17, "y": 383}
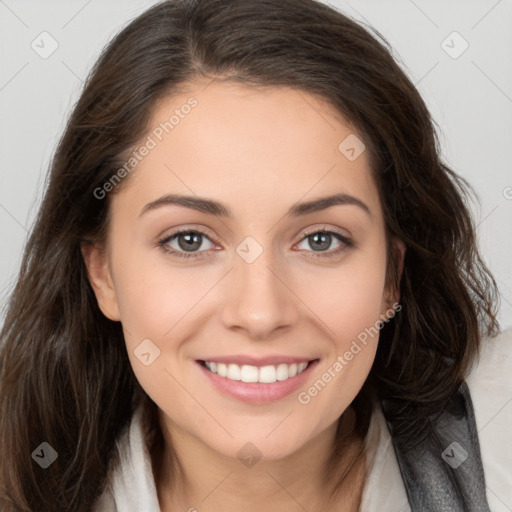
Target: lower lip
{"x": 257, "y": 392}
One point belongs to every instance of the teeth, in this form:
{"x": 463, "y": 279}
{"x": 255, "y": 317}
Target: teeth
{"x": 249, "y": 373}
{"x": 264, "y": 374}
{"x": 267, "y": 374}
{"x": 222, "y": 369}
{"x": 233, "y": 372}
{"x": 282, "y": 372}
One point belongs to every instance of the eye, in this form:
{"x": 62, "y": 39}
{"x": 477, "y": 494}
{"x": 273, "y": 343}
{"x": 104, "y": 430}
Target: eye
{"x": 188, "y": 242}
{"x": 322, "y": 239}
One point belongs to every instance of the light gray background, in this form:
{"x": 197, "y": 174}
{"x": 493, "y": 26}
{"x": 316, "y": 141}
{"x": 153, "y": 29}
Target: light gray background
{"x": 469, "y": 96}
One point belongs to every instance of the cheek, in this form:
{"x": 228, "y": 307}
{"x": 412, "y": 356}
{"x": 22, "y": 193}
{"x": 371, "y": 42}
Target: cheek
{"x": 348, "y": 304}
{"x": 153, "y": 292}
{"x": 347, "y": 298}
{"x": 160, "y": 302}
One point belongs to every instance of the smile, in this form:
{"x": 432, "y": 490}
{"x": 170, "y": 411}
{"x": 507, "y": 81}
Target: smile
{"x": 248, "y": 373}
{"x": 263, "y": 384}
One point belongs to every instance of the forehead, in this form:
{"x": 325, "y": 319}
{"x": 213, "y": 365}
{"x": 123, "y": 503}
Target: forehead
{"x": 252, "y": 147}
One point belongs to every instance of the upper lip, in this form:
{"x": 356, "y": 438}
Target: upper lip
{"x": 241, "y": 360}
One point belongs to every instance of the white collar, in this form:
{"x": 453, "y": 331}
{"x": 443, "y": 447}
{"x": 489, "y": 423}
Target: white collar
{"x": 133, "y": 486}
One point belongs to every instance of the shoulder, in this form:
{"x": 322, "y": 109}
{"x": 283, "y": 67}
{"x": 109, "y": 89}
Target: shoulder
{"x": 131, "y": 484}
{"x": 490, "y": 378}
{"x": 490, "y": 385}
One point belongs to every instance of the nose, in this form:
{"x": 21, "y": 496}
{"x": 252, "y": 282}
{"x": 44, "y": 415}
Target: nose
{"x": 260, "y": 299}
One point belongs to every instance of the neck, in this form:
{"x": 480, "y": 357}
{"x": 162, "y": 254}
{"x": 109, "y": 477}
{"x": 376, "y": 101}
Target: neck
{"x": 192, "y": 476}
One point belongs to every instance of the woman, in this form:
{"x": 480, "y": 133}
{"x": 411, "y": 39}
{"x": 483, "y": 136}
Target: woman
{"x": 178, "y": 341}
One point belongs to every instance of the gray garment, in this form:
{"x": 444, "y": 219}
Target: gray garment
{"x": 444, "y": 473}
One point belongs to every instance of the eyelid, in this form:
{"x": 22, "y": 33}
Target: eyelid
{"x": 324, "y": 229}
{"x": 199, "y": 228}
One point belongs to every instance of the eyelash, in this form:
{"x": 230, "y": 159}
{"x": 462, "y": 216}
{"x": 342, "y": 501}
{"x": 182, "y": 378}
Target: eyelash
{"x": 346, "y": 243}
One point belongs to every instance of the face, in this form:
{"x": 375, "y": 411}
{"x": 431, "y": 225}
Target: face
{"x": 265, "y": 285}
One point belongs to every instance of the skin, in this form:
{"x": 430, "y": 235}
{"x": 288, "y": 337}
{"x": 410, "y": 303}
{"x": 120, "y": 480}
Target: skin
{"x": 258, "y": 151}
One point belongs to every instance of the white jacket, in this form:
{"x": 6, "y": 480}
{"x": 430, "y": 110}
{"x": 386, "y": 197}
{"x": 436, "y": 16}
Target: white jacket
{"x": 490, "y": 384}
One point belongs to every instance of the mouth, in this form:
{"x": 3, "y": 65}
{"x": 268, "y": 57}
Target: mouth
{"x": 251, "y": 374}
{"x": 257, "y": 384}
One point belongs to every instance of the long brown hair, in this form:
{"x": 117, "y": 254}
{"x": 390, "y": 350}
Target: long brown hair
{"x": 65, "y": 375}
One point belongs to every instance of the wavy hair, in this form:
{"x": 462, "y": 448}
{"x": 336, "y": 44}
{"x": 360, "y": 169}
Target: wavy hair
{"x": 65, "y": 376}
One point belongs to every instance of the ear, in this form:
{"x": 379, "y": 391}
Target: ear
{"x": 98, "y": 271}
{"x": 391, "y": 294}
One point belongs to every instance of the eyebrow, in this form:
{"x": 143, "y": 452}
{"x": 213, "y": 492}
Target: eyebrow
{"x": 211, "y": 207}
